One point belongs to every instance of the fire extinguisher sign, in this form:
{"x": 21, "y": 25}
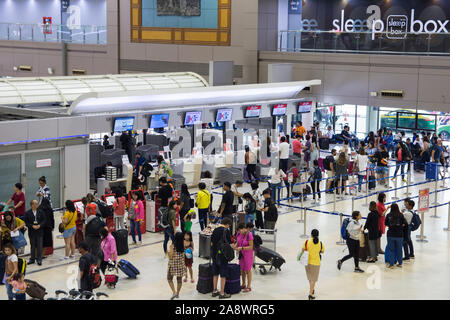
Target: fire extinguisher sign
{"x": 47, "y": 25}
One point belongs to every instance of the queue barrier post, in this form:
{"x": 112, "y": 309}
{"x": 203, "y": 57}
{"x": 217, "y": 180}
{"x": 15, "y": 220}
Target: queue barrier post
{"x": 422, "y": 227}
{"x": 334, "y": 196}
{"x": 301, "y": 211}
{"x": 435, "y": 216}
{"x": 448, "y": 219}
{"x": 366, "y": 204}
{"x": 341, "y": 241}
{"x": 444, "y": 171}
{"x": 353, "y": 204}
{"x": 408, "y": 180}
{"x": 304, "y": 235}
{"x": 341, "y": 194}
{"x": 395, "y": 189}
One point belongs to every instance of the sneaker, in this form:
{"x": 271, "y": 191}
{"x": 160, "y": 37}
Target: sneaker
{"x": 39, "y": 263}
{"x": 411, "y": 256}
{"x": 72, "y": 256}
{"x": 358, "y": 270}
{"x": 339, "y": 264}
{"x": 404, "y": 180}
{"x": 390, "y": 267}
{"x": 215, "y": 294}
{"x": 405, "y": 259}
{"x": 399, "y": 266}
{"x": 62, "y": 258}
{"x": 139, "y": 243}
{"x": 225, "y": 296}
{"x": 173, "y": 297}
{"x": 30, "y": 262}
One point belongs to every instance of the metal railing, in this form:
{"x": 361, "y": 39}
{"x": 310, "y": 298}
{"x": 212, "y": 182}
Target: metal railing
{"x": 363, "y": 42}
{"x": 53, "y": 33}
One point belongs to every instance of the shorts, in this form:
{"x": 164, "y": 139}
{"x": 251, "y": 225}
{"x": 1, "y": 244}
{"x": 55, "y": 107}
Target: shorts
{"x": 329, "y": 173}
{"x": 383, "y": 170}
{"x": 220, "y": 267}
{"x": 69, "y": 232}
{"x": 188, "y": 262}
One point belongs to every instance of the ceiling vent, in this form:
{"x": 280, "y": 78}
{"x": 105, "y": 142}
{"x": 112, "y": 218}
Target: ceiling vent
{"x": 393, "y": 93}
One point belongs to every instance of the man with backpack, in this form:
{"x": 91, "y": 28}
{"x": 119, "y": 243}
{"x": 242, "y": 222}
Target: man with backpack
{"x": 91, "y": 232}
{"x": 329, "y": 164}
{"x": 270, "y": 211}
{"x": 89, "y": 276}
{"x": 221, "y": 256}
{"x": 414, "y": 222}
{"x": 402, "y": 157}
{"x": 165, "y": 192}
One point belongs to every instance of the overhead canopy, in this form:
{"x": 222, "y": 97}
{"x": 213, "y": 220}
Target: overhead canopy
{"x": 24, "y": 91}
{"x": 147, "y": 100}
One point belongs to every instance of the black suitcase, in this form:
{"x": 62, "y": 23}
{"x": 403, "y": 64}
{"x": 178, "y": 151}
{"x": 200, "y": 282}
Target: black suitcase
{"x": 372, "y": 182}
{"x": 2, "y": 266}
{"x": 324, "y": 143}
{"x": 121, "y": 237}
{"x": 270, "y": 256}
{"x": 233, "y": 284}
{"x": 205, "y": 278}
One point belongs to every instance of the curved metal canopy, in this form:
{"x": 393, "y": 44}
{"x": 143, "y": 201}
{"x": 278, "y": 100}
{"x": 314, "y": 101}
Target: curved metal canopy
{"x": 148, "y": 100}
{"x": 64, "y": 90}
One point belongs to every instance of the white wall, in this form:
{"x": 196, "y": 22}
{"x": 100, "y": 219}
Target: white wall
{"x": 76, "y": 172}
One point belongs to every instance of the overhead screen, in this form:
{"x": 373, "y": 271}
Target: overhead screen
{"x": 193, "y": 117}
{"x": 159, "y": 121}
{"x": 304, "y": 107}
{"x": 123, "y": 124}
{"x": 224, "y": 115}
{"x": 279, "y": 109}
{"x": 253, "y": 111}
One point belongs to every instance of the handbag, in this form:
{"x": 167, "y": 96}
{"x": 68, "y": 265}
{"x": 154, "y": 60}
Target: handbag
{"x": 62, "y": 227}
{"x": 303, "y": 256}
{"x": 19, "y": 241}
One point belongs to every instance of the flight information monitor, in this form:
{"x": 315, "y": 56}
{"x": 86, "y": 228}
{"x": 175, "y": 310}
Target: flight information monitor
{"x": 279, "y": 109}
{"x": 304, "y": 107}
{"x": 159, "y": 121}
{"x": 193, "y": 117}
{"x": 253, "y": 112}
{"x": 123, "y": 124}
{"x": 224, "y": 115}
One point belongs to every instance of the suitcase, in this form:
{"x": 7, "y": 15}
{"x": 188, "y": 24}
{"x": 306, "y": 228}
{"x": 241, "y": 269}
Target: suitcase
{"x": 372, "y": 182}
{"x": 48, "y": 251}
{"x": 121, "y": 237}
{"x": 233, "y": 283}
{"x": 363, "y": 250}
{"x": 324, "y": 143}
{"x": 432, "y": 170}
{"x": 127, "y": 268}
{"x": 111, "y": 275}
{"x": 35, "y": 290}
{"x": 2, "y": 266}
{"x": 205, "y": 278}
{"x": 270, "y": 256}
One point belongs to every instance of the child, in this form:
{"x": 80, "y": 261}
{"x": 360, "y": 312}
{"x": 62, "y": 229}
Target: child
{"x": 19, "y": 286}
{"x": 188, "y": 254}
{"x": 11, "y": 269}
{"x": 188, "y": 220}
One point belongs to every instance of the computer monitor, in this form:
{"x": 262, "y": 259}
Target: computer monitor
{"x": 304, "y": 107}
{"x": 123, "y": 124}
{"x": 253, "y": 112}
{"x": 159, "y": 121}
{"x": 110, "y": 200}
{"x": 279, "y": 110}
{"x": 79, "y": 206}
{"x": 193, "y": 117}
{"x": 224, "y": 115}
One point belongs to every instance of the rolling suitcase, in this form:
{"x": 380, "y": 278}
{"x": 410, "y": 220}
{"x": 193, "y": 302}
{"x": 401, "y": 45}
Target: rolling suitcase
{"x": 324, "y": 143}
{"x": 372, "y": 182}
{"x": 431, "y": 172}
{"x": 363, "y": 248}
{"x": 271, "y": 257}
{"x": 127, "y": 268}
{"x": 2, "y": 266}
{"x": 121, "y": 237}
{"x": 233, "y": 284}
{"x": 205, "y": 278}
{"x": 35, "y": 290}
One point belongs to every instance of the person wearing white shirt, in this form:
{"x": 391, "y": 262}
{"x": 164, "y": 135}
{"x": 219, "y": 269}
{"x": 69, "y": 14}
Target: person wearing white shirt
{"x": 329, "y": 133}
{"x": 362, "y": 160}
{"x": 354, "y": 229}
{"x": 276, "y": 177}
{"x": 284, "y": 154}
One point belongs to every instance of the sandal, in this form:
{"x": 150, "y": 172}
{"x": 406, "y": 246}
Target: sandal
{"x": 243, "y": 287}
{"x": 247, "y": 290}
{"x": 192, "y": 281}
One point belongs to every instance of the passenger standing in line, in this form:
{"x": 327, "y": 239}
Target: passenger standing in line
{"x": 109, "y": 249}
{"x": 237, "y": 199}
{"x": 291, "y": 179}
{"x": 284, "y": 154}
{"x": 219, "y": 263}
{"x": 244, "y": 246}
{"x": 84, "y": 265}
{"x": 44, "y": 190}
{"x": 35, "y": 221}
{"x": 257, "y": 196}
{"x": 49, "y": 225}
{"x": 316, "y": 177}
{"x": 11, "y": 268}
{"x": 203, "y": 204}
{"x": 408, "y": 213}
{"x": 315, "y": 153}
{"x": 250, "y": 208}
{"x": 209, "y": 183}
{"x": 307, "y": 151}
{"x": 361, "y": 163}
{"x": 119, "y": 210}
{"x": 297, "y": 146}
{"x": 315, "y": 248}
{"x": 169, "y": 232}
{"x": 18, "y": 198}
{"x": 396, "y": 222}
{"x": 11, "y": 224}
{"x": 135, "y": 224}
{"x": 381, "y": 223}
{"x": 69, "y": 220}
{"x": 341, "y": 172}
{"x": 185, "y": 204}
{"x": 354, "y": 229}
{"x": 270, "y": 211}
{"x": 91, "y": 207}
{"x": 374, "y": 232}
{"x": 250, "y": 162}
{"x": 276, "y": 176}
{"x": 226, "y": 206}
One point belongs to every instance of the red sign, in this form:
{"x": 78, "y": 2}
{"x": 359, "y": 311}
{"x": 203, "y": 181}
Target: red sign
{"x": 47, "y": 25}
{"x": 253, "y": 111}
{"x": 424, "y": 200}
{"x": 279, "y": 109}
{"x": 305, "y": 106}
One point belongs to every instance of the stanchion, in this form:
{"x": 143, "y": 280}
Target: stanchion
{"x": 353, "y": 204}
{"x": 421, "y": 236}
{"x": 341, "y": 194}
{"x": 443, "y": 178}
{"x": 408, "y": 180}
{"x": 301, "y": 211}
{"x": 334, "y": 197}
{"x": 395, "y": 189}
{"x": 341, "y": 241}
{"x": 366, "y": 204}
{"x": 304, "y": 235}
{"x": 448, "y": 219}
{"x": 436, "y": 193}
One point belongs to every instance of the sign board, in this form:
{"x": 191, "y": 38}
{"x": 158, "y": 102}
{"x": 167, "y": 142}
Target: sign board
{"x": 125, "y": 159}
{"x": 47, "y": 25}
{"x": 295, "y": 6}
{"x": 424, "y": 200}
{"x": 43, "y": 163}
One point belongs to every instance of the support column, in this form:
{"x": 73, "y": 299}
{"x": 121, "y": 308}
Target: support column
{"x": 221, "y": 73}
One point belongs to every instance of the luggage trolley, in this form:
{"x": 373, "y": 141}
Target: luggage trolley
{"x": 269, "y": 239}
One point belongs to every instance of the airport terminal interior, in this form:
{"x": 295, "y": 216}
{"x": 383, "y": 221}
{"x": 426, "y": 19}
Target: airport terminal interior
{"x": 317, "y": 133}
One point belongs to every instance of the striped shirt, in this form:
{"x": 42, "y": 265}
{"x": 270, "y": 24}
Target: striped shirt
{"x": 46, "y": 192}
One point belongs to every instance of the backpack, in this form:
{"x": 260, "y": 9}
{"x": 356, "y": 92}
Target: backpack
{"x": 104, "y": 209}
{"x": 272, "y": 213}
{"x": 415, "y": 222}
{"x": 147, "y": 168}
{"x": 35, "y": 290}
{"x": 317, "y": 175}
{"x": 225, "y": 248}
{"x": 344, "y": 232}
{"x": 95, "y": 278}
{"x": 327, "y": 163}
{"x": 163, "y": 217}
{"x": 94, "y": 226}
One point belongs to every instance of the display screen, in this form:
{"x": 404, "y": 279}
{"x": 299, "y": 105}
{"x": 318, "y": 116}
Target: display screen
{"x": 304, "y": 107}
{"x": 279, "y": 109}
{"x": 224, "y": 115}
{"x": 194, "y": 117}
{"x": 123, "y": 124}
{"x": 110, "y": 200}
{"x": 253, "y": 112}
{"x": 79, "y": 206}
{"x": 159, "y": 121}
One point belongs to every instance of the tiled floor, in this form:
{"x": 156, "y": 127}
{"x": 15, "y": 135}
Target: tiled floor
{"x": 426, "y": 277}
